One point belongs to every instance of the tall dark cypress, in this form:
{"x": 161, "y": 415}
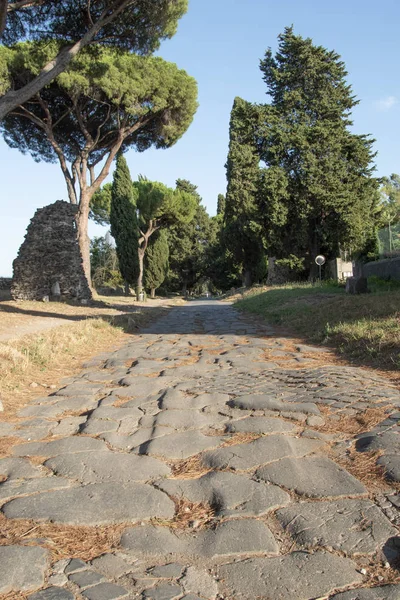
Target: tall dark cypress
{"x": 124, "y": 225}
{"x": 326, "y": 195}
{"x": 242, "y": 228}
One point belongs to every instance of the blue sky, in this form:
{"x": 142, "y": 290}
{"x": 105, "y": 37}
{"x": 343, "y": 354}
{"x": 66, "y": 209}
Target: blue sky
{"x": 220, "y": 43}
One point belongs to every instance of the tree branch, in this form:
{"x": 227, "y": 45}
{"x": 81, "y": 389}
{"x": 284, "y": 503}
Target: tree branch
{"x": 13, "y": 98}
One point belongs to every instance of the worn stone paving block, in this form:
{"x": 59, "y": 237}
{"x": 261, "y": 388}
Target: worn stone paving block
{"x": 260, "y": 451}
{"x": 259, "y": 425}
{"x": 163, "y": 591}
{"x": 93, "y": 504}
{"x": 19, "y": 468}
{"x": 80, "y": 388}
{"x": 385, "y": 592}
{"x": 52, "y": 593}
{"x": 105, "y": 591}
{"x": 169, "y": 571}
{"x": 296, "y": 576}
{"x": 97, "y": 426}
{"x": 182, "y": 419}
{"x": 115, "y": 413}
{"x": 230, "y": 538}
{"x": 351, "y": 526}
{"x": 98, "y": 467}
{"x": 391, "y": 464}
{"x": 179, "y": 445}
{"x": 6, "y": 429}
{"x": 71, "y": 444}
{"x": 22, "y": 568}
{"x": 268, "y": 402}
{"x": 9, "y": 489}
{"x": 111, "y": 566}
{"x": 199, "y": 581}
{"x": 228, "y": 493}
{"x": 313, "y": 476}
{"x": 85, "y": 578}
{"x": 68, "y": 426}
{"x": 173, "y": 399}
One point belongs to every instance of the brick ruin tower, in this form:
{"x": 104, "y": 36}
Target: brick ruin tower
{"x": 49, "y": 256}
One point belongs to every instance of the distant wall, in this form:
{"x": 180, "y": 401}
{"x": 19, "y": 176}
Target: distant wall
{"x": 387, "y": 268}
{"x": 50, "y": 254}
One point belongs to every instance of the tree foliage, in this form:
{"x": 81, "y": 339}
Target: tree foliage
{"x": 156, "y": 261}
{"x": 124, "y": 224}
{"x": 243, "y": 231}
{"x": 317, "y": 193}
{"x": 99, "y": 106}
{"x": 104, "y": 263}
{"x": 133, "y": 25}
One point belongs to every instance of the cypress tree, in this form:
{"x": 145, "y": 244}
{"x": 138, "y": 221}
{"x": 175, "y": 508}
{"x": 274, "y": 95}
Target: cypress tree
{"x": 221, "y": 202}
{"x": 317, "y": 191}
{"x": 156, "y": 261}
{"x": 123, "y": 219}
{"x": 242, "y": 230}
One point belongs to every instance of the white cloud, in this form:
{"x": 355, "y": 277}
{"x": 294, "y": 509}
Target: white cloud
{"x": 387, "y": 103}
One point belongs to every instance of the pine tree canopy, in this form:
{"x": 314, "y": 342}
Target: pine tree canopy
{"x": 146, "y": 100}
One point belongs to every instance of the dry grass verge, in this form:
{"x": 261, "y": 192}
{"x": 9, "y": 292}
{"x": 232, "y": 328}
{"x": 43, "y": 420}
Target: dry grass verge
{"x": 364, "y": 328}
{"x": 47, "y": 357}
{"x": 63, "y": 541}
{"x": 44, "y": 358}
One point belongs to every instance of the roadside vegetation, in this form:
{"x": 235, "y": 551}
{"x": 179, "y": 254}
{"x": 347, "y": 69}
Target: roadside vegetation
{"x": 34, "y": 364}
{"x": 364, "y": 328}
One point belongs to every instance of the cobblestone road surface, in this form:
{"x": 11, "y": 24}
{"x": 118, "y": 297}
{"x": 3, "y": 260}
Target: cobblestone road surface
{"x": 209, "y": 441}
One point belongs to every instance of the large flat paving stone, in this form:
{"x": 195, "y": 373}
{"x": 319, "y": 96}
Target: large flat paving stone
{"x": 22, "y": 568}
{"x": 182, "y": 419}
{"x": 103, "y": 467}
{"x": 19, "y": 468}
{"x": 351, "y": 526}
{"x": 259, "y": 425}
{"x": 230, "y": 538}
{"x": 93, "y": 504}
{"x": 21, "y": 487}
{"x": 176, "y": 400}
{"x": 296, "y": 576}
{"x": 228, "y": 493}
{"x": 268, "y": 402}
{"x": 52, "y": 593}
{"x": 179, "y": 445}
{"x": 71, "y": 445}
{"x": 386, "y": 592}
{"x": 312, "y": 476}
{"x": 259, "y": 452}
{"x": 391, "y": 464}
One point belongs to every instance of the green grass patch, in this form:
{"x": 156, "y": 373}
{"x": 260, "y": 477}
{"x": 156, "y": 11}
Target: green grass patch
{"x": 365, "y": 328}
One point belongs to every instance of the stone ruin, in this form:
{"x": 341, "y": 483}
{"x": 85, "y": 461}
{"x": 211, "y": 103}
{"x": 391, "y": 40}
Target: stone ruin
{"x": 49, "y": 256}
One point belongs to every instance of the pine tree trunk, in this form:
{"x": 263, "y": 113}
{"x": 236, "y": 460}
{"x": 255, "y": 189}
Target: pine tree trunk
{"x": 82, "y": 220}
{"x": 139, "y": 285}
{"x": 127, "y": 290}
{"x": 153, "y": 293}
{"x": 246, "y": 278}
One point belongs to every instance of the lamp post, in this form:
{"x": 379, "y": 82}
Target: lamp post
{"x": 320, "y": 260}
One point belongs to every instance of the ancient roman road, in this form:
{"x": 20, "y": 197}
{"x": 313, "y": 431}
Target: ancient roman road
{"x": 218, "y": 451}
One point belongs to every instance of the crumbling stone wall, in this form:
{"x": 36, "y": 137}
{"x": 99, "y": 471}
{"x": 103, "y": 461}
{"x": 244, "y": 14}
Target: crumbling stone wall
{"x": 49, "y": 254}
